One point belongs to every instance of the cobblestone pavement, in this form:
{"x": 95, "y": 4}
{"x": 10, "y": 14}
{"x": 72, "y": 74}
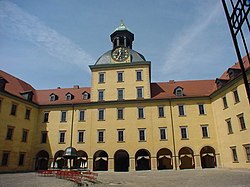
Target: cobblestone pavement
{"x": 183, "y": 178}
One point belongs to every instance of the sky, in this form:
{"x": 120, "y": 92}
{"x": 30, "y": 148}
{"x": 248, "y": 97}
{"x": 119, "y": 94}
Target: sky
{"x": 51, "y": 43}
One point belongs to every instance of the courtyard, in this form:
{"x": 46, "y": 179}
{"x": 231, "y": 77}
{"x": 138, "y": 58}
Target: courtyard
{"x": 192, "y": 178}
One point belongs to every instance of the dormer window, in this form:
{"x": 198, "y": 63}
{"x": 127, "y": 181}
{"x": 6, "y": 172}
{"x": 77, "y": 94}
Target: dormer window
{"x": 178, "y": 91}
{"x": 232, "y": 73}
{"x": 85, "y": 95}
{"x": 27, "y": 95}
{"x": 69, "y": 96}
{"x": 2, "y": 83}
{"x": 53, "y": 97}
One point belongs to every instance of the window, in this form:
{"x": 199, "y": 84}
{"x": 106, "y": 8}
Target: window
{"x": 101, "y": 113}
{"x": 242, "y": 122}
{"x": 13, "y": 109}
{"x": 236, "y": 96}
{"x": 5, "y": 158}
{"x": 161, "y": 111}
{"x": 225, "y": 102}
{"x": 234, "y": 152}
{"x": 62, "y": 136}
{"x": 10, "y": 132}
{"x": 139, "y": 92}
{"x": 141, "y": 113}
{"x": 68, "y": 97}
{"x": 81, "y": 115}
{"x": 204, "y": 129}
{"x": 27, "y": 114}
{"x": 142, "y": 134}
{"x": 181, "y": 110}
{"x": 44, "y": 136}
{"x": 229, "y": 126}
{"x": 85, "y": 95}
{"x": 119, "y": 76}
{"x": 21, "y": 159}
{"x": 53, "y": 97}
{"x": 100, "y": 95}
{"x": 120, "y": 94}
{"x": 179, "y": 91}
{"x": 25, "y": 135}
{"x": 163, "y": 133}
{"x": 101, "y": 77}
{"x": 63, "y": 116}
{"x": 120, "y": 133}
{"x": 120, "y": 113}
{"x": 46, "y": 117}
{"x": 139, "y": 75}
{"x": 247, "y": 149}
{"x": 202, "y": 109}
{"x": 100, "y": 134}
{"x": 184, "y": 132}
{"x": 81, "y": 136}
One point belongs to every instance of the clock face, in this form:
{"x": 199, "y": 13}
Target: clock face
{"x": 120, "y": 54}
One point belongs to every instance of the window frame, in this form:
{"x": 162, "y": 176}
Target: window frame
{"x": 202, "y": 110}
{"x": 236, "y": 96}
{"x": 45, "y": 117}
{"x": 122, "y": 137}
{"x": 141, "y": 113}
{"x": 142, "y": 137}
{"x": 13, "y": 109}
{"x": 25, "y": 135}
{"x": 164, "y": 136}
{"x": 247, "y": 152}
{"x": 5, "y": 161}
{"x": 120, "y": 117}
{"x": 101, "y": 95}
{"x": 120, "y": 93}
{"x": 120, "y": 76}
{"x": 186, "y": 132}
{"x": 101, "y": 138}
{"x": 181, "y": 110}
{"x": 161, "y": 112}
{"x": 139, "y": 75}
{"x": 81, "y": 136}
{"x": 101, "y": 112}
{"x": 229, "y": 126}
{"x": 242, "y": 122}
{"x": 21, "y": 160}
{"x": 61, "y": 139}
{"x": 234, "y": 154}
{"x": 205, "y": 134}
{"x": 140, "y": 92}
{"x": 225, "y": 103}
{"x": 10, "y": 133}
{"x": 81, "y": 115}
{"x": 63, "y": 116}
{"x": 101, "y": 77}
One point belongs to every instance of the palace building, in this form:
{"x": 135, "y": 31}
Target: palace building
{"x": 125, "y": 122}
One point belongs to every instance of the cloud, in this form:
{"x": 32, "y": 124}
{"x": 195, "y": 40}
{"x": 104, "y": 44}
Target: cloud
{"x": 15, "y": 22}
{"x": 183, "y": 51}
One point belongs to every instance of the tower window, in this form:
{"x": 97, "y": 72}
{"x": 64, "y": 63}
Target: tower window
{"x": 119, "y": 76}
{"x": 100, "y": 95}
{"x": 101, "y": 77}
{"x": 13, "y": 109}
{"x": 139, "y": 75}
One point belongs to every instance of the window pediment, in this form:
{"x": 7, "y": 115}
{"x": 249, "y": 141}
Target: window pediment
{"x": 53, "y": 97}
{"x": 178, "y": 91}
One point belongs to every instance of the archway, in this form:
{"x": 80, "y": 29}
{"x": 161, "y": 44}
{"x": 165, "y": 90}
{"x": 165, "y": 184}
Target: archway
{"x": 82, "y": 160}
{"x": 164, "y": 159}
{"x": 208, "y": 159}
{"x": 42, "y": 160}
{"x": 142, "y": 160}
{"x": 186, "y": 158}
{"x": 121, "y": 160}
{"x": 100, "y": 161}
{"x": 59, "y": 161}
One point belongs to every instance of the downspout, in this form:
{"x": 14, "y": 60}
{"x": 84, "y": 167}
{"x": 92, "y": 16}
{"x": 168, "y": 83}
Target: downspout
{"x": 172, "y": 124}
{"x": 72, "y": 123}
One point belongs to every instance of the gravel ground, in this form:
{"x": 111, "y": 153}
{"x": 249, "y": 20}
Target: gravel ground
{"x": 183, "y": 178}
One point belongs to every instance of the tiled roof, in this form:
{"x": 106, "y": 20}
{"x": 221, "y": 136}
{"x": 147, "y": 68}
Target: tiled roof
{"x": 16, "y": 86}
{"x": 43, "y": 96}
{"x": 193, "y": 88}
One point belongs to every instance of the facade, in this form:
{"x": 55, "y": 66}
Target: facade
{"x": 125, "y": 122}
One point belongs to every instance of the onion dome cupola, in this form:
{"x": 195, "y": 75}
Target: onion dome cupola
{"x": 122, "y": 36}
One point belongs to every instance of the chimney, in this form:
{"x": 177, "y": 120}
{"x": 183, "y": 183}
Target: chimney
{"x": 58, "y": 87}
{"x": 76, "y": 86}
{"x": 171, "y": 81}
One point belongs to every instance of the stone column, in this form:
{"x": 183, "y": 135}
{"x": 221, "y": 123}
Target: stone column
{"x": 153, "y": 163}
{"x": 110, "y": 164}
{"x": 197, "y": 160}
{"x": 131, "y": 164}
{"x": 90, "y": 163}
{"x": 218, "y": 160}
